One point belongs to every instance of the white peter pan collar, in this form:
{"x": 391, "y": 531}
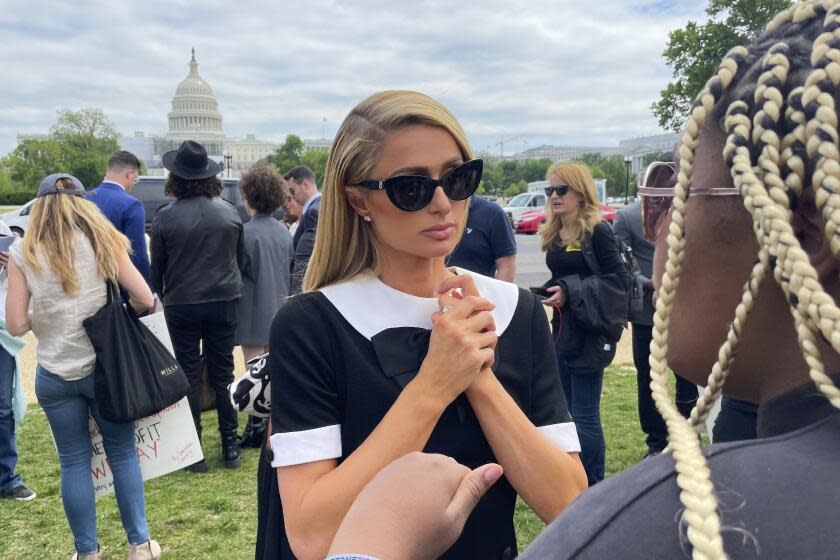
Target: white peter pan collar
{"x": 371, "y": 306}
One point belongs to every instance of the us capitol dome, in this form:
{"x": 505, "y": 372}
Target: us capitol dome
{"x": 195, "y": 114}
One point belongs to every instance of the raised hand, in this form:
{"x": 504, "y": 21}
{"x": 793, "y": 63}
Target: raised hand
{"x": 414, "y": 509}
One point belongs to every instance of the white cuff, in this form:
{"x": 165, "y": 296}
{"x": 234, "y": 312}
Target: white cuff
{"x": 563, "y": 436}
{"x": 307, "y": 446}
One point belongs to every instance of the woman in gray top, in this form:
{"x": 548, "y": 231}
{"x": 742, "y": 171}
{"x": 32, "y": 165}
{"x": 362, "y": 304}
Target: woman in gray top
{"x": 268, "y": 247}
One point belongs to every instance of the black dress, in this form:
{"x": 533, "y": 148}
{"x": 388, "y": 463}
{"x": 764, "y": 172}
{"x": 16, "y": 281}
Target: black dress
{"x": 339, "y": 358}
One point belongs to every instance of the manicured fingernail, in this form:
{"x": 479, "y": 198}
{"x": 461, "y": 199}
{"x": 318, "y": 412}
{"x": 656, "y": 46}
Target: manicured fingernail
{"x": 492, "y": 473}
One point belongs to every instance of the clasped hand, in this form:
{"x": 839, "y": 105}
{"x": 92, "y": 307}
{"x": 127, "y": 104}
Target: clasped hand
{"x": 463, "y": 339}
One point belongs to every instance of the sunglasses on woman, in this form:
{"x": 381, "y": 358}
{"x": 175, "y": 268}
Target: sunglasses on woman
{"x": 657, "y": 193}
{"x": 414, "y": 192}
{"x": 561, "y": 190}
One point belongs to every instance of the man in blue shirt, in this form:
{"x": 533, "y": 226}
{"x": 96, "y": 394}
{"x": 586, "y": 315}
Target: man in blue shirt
{"x": 123, "y": 210}
{"x": 488, "y": 246}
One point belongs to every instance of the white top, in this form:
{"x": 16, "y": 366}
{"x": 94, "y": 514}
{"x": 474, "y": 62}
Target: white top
{"x": 63, "y": 345}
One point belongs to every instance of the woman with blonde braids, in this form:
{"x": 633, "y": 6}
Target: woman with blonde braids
{"x": 752, "y": 234}
{"x": 62, "y": 267}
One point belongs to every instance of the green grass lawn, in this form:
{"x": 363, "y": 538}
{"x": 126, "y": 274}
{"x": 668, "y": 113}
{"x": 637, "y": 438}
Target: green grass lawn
{"x": 214, "y": 515}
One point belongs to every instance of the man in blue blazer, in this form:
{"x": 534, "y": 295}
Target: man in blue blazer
{"x": 113, "y": 198}
{"x": 300, "y": 182}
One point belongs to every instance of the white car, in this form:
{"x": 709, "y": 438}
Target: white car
{"x": 524, "y": 202}
{"x": 18, "y": 220}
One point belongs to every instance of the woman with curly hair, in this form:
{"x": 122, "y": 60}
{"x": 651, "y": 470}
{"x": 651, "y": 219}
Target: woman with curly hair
{"x": 268, "y": 248}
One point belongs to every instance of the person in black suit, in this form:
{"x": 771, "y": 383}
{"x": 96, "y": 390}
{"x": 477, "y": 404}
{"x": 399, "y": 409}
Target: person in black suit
{"x": 300, "y": 182}
{"x": 628, "y": 227}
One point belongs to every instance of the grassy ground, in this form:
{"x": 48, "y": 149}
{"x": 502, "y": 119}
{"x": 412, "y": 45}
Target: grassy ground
{"x": 214, "y": 515}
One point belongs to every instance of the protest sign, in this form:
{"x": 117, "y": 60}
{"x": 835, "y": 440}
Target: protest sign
{"x": 165, "y": 441}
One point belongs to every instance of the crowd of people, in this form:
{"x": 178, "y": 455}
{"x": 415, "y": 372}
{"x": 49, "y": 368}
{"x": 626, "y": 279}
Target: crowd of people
{"x": 416, "y": 392}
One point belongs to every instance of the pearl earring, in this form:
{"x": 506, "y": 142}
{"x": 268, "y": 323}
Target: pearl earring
{"x": 367, "y": 219}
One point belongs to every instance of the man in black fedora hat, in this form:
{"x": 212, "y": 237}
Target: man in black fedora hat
{"x": 197, "y": 262}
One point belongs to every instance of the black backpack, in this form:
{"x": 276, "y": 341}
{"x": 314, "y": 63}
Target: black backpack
{"x": 635, "y": 293}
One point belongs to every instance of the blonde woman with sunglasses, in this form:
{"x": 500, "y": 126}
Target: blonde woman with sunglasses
{"x": 387, "y": 351}
{"x": 588, "y": 291}
{"x": 747, "y": 266}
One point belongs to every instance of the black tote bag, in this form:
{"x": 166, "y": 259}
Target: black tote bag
{"x": 135, "y": 375}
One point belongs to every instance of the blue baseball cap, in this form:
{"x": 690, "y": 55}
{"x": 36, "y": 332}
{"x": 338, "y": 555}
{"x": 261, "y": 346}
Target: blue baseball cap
{"x": 49, "y": 185}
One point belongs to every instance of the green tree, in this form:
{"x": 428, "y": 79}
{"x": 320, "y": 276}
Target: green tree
{"x": 694, "y": 52}
{"x": 288, "y": 155}
{"x": 316, "y": 160}
{"x": 615, "y": 172}
{"x": 5, "y": 179}
{"x": 85, "y": 129}
{"x": 511, "y": 191}
{"x": 87, "y": 138}
{"x": 31, "y": 161}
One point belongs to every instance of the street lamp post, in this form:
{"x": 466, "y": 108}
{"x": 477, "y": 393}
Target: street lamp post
{"x": 228, "y": 159}
{"x": 627, "y": 161}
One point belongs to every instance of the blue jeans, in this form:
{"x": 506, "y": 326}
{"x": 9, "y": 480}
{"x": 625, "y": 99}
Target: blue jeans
{"x": 67, "y": 404}
{"x": 583, "y": 393}
{"x": 8, "y": 446}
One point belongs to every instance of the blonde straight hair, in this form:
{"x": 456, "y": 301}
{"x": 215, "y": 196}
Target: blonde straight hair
{"x": 579, "y": 179}
{"x": 344, "y": 244}
{"x": 54, "y": 221}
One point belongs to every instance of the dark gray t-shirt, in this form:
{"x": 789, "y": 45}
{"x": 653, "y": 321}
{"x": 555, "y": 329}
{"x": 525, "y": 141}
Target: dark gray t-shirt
{"x": 778, "y": 496}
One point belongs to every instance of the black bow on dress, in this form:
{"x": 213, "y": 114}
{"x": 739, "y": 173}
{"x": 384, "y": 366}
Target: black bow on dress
{"x": 401, "y": 351}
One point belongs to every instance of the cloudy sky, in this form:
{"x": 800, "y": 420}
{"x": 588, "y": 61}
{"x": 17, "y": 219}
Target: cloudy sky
{"x": 547, "y": 71}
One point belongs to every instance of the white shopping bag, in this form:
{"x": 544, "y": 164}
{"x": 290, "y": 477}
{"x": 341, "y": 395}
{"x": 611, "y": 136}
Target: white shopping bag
{"x": 165, "y": 442}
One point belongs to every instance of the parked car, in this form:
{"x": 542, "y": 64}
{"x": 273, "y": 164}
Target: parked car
{"x": 529, "y": 222}
{"x": 18, "y": 220}
{"x": 524, "y": 202}
{"x": 149, "y": 190}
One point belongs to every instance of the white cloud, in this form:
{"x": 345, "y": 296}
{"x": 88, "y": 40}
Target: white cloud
{"x": 554, "y": 71}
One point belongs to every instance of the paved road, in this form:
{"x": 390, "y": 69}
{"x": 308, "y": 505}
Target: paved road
{"x": 530, "y": 262}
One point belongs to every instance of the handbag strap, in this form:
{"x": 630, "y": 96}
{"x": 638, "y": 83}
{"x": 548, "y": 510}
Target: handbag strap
{"x": 112, "y": 290}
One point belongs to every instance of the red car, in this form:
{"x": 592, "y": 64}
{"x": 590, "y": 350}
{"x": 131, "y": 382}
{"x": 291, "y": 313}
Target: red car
{"x": 529, "y": 222}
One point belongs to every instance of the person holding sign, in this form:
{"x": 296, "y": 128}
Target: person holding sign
{"x": 61, "y": 268}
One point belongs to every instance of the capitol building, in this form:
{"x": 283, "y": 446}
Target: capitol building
{"x": 195, "y": 115}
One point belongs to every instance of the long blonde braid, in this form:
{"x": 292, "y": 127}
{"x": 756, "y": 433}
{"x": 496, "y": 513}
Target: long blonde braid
{"x": 769, "y": 170}
{"x": 769, "y": 95}
{"x": 693, "y": 477}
